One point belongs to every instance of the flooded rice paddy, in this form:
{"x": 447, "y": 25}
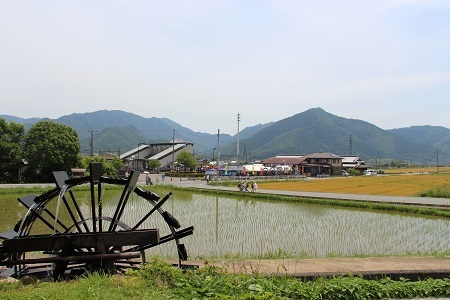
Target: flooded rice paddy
{"x": 238, "y": 227}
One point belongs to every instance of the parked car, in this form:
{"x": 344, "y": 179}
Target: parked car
{"x": 344, "y": 173}
{"x": 370, "y": 172}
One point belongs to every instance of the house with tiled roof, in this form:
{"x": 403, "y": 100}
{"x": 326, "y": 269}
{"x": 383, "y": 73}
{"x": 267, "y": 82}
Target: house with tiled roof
{"x": 353, "y": 161}
{"x": 293, "y": 161}
{"x": 324, "y": 163}
{"x": 315, "y": 164}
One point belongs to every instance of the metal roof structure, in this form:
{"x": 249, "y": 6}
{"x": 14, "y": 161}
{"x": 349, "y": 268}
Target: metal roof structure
{"x": 134, "y": 151}
{"x": 178, "y": 145}
{"x": 351, "y": 159}
{"x": 168, "y": 151}
{"x": 284, "y": 160}
{"x": 323, "y": 155}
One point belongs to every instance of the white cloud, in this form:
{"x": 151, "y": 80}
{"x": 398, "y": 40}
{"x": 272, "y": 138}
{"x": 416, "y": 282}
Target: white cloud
{"x": 184, "y": 59}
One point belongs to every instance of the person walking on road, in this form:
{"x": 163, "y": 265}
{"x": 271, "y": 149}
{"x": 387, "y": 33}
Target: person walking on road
{"x": 246, "y": 185}
{"x": 254, "y": 186}
{"x": 148, "y": 180}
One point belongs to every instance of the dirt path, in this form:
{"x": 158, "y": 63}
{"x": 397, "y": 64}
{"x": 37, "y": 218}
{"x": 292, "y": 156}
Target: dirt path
{"x": 408, "y": 267}
{"x": 337, "y": 266}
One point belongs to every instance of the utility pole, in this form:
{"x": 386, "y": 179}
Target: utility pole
{"x": 92, "y": 141}
{"x": 437, "y": 160}
{"x": 351, "y": 144}
{"x": 238, "y": 120}
{"x": 218, "y": 156}
{"x": 245, "y": 152}
{"x": 173, "y": 151}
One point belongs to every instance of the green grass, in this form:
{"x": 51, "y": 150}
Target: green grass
{"x": 21, "y": 191}
{"x": 158, "y": 280}
{"x": 438, "y": 192}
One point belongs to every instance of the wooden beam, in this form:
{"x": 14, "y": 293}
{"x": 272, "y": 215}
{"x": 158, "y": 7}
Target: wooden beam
{"x": 80, "y": 240}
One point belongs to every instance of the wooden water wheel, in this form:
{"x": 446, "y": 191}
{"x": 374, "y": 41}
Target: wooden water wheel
{"x": 88, "y": 241}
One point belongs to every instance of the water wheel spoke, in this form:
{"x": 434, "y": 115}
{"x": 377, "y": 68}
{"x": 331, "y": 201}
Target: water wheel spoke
{"x": 64, "y": 183}
{"x": 155, "y": 208}
{"x": 128, "y": 189}
{"x": 78, "y": 244}
{"x": 36, "y": 209}
{"x": 79, "y": 212}
{"x": 71, "y": 213}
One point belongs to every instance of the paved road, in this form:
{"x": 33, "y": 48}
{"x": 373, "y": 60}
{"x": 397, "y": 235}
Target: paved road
{"x": 407, "y": 267}
{"x": 423, "y": 201}
{"x": 199, "y": 183}
{"x": 411, "y": 267}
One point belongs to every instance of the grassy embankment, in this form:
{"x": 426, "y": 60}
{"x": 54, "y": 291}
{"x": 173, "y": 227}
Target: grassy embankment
{"x": 157, "y": 280}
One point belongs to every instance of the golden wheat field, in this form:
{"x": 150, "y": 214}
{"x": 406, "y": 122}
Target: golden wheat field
{"x": 429, "y": 170}
{"x": 405, "y": 184}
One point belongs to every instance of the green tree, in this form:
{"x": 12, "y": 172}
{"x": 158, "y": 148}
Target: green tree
{"x": 186, "y": 159}
{"x": 353, "y": 172}
{"x": 153, "y": 164}
{"x": 12, "y": 137}
{"x": 109, "y": 167}
{"x": 50, "y": 146}
{"x": 117, "y": 163}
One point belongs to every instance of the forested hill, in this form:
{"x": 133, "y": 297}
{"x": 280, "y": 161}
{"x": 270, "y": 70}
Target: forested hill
{"x": 436, "y": 136}
{"x": 316, "y": 130}
{"x": 115, "y": 129}
{"x": 311, "y": 131}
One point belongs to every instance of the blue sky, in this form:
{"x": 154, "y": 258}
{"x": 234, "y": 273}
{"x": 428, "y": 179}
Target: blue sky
{"x": 200, "y": 63}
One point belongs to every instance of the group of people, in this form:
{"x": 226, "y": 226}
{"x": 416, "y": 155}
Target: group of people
{"x": 244, "y": 186}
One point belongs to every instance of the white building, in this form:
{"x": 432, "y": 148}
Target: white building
{"x": 165, "y": 153}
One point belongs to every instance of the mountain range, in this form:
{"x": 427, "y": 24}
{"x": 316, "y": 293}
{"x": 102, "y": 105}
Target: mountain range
{"x": 314, "y": 130}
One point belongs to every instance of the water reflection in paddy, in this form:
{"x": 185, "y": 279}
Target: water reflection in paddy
{"x": 226, "y": 226}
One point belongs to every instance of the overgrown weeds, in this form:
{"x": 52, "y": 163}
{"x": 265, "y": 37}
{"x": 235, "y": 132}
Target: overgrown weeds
{"x": 437, "y": 192}
{"x": 159, "y": 280}
{"x": 216, "y": 282}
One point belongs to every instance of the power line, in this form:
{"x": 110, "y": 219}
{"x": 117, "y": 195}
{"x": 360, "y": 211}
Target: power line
{"x": 410, "y": 115}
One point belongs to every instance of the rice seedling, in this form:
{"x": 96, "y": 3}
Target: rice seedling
{"x": 267, "y": 226}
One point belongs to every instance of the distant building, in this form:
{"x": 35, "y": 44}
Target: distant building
{"x": 324, "y": 163}
{"x": 321, "y": 163}
{"x": 353, "y": 162}
{"x": 165, "y": 153}
{"x": 280, "y": 161}
{"x": 107, "y": 156}
{"x": 77, "y": 172}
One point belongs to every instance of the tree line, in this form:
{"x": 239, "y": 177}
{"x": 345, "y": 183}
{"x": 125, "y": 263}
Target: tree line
{"x": 32, "y": 156}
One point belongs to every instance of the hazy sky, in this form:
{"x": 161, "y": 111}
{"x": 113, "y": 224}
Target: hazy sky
{"x": 199, "y": 63}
